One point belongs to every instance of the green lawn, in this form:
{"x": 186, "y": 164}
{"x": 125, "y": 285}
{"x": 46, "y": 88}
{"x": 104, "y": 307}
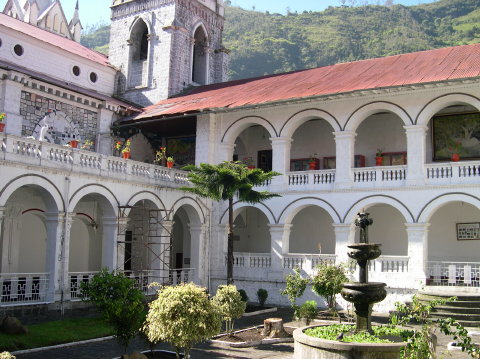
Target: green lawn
{"x": 56, "y": 332}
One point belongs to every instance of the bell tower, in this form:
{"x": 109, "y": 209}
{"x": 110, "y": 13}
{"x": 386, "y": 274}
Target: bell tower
{"x": 162, "y": 47}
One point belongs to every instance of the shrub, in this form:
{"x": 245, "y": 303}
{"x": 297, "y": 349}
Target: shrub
{"x": 309, "y": 310}
{"x": 119, "y": 301}
{"x": 182, "y": 316}
{"x": 328, "y": 282}
{"x": 262, "y": 295}
{"x": 6, "y": 355}
{"x": 230, "y": 304}
{"x": 295, "y": 288}
{"x": 244, "y": 295}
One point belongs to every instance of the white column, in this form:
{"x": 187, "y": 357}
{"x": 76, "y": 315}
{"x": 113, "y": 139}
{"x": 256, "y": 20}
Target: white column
{"x": 113, "y": 231}
{"x": 281, "y": 161}
{"x": 10, "y": 245}
{"x": 104, "y": 140}
{"x": 198, "y": 253}
{"x": 3, "y": 239}
{"x": 416, "y": 154}
{"x": 417, "y": 253}
{"x": 205, "y": 144}
{"x": 280, "y": 235}
{"x": 10, "y": 103}
{"x": 344, "y": 235}
{"x": 225, "y": 151}
{"x": 345, "y": 145}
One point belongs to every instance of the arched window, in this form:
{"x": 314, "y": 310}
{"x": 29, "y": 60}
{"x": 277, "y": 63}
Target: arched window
{"x": 139, "y": 54}
{"x": 199, "y": 63}
{"x": 55, "y": 23}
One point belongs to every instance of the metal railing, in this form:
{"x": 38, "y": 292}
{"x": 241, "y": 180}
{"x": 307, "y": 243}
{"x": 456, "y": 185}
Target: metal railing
{"x": 19, "y": 288}
{"x": 444, "y": 273}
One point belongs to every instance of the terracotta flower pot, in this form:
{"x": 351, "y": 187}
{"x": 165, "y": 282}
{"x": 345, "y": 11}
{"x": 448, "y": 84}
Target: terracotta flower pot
{"x": 378, "y": 161}
{"x": 311, "y": 165}
{"x": 455, "y": 157}
{"x": 250, "y": 167}
{"x": 73, "y": 143}
{"x": 126, "y": 155}
{"x": 170, "y": 164}
{"x": 2, "y": 126}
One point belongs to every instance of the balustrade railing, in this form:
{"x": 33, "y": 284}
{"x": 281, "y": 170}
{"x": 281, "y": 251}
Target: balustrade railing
{"x": 313, "y": 179}
{"x": 41, "y": 153}
{"x": 453, "y": 172}
{"x": 307, "y": 262}
{"x": 251, "y": 260}
{"x": 75, "y": 282}
{"x": 445, "y": 273}
{"x": 20, "y": 288}
{"x": 386, "y": 175}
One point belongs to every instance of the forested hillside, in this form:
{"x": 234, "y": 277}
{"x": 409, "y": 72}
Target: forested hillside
{"x": 264, "y": 43}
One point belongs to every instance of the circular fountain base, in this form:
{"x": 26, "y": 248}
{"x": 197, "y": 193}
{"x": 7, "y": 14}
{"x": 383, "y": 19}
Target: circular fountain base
{"x": 307, "y": 347}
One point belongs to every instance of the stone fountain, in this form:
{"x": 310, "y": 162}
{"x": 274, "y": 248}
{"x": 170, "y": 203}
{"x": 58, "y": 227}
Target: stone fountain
{"x": 363, "y": 294}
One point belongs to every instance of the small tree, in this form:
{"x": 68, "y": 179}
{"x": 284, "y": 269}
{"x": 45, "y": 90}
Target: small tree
{"x": 244, "y": 295}
{"x": 182, "y": 316}
{"x": 230, "y": 304}
{"x": 308, "y": 310}
{"x": 225, "y": 182}
{"x": 262, "y": 295}
{"x": 295, "y": 288}
{"x": 121, "y": 304}
{"x": 328, "y": 282}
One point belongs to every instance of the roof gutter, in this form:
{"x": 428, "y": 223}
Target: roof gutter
{"x": 151, "y": 120}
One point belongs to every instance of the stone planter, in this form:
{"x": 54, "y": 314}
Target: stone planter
{"x": 307, "y": 347}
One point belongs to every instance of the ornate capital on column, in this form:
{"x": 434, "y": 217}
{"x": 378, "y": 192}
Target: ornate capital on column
{"x": 198, "y": 227}
{"x": 280, "y": 228}
{"x": 419, "y": 228}
{"x": 344, "y": 135}
{"x": 343, "y": 227}
{"x": 281, "y": 141}
{"x": 416, "y": 129}
{"x": 3, "y": 212}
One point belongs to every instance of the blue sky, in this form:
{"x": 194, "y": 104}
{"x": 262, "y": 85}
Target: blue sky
{"x": 94, "y": 11}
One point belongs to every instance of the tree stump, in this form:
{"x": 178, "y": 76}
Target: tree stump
{"x": 273, "y": 328}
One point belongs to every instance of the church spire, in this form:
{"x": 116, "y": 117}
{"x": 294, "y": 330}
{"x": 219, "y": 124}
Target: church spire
{"x": 75, "y": 25}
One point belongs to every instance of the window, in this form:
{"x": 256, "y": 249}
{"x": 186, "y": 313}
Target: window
{"x": 76, "y": 70}
{"x": 93, "y": 77}
{"x": 199, "y": 64}
{"x": 18, "y": 49}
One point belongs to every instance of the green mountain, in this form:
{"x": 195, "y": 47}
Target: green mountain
{"x": 265, "y": 43}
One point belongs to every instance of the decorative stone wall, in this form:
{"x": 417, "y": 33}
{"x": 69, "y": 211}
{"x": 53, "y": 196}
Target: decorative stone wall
{"x": 33, "y": 108}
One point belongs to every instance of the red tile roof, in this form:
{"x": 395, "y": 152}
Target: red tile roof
{"x": 451, "y": 63}
{"x": 53, "y": 39}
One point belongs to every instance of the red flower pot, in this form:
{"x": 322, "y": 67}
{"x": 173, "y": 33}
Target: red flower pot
{"x": 455, "y": 157}
{"x": 73, "y": 143}
{"x": 250, "y": 167}
{"x": 378, "y": 161}
{"x": 126, "y": 155}
{"x": 2, "y": 126}
{"x": 170, "y": 164}
{"x": 311, "y": 165}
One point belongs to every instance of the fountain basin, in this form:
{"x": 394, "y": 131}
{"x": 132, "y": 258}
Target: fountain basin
{"x": 364, "y": 293}
{"x": 362, "y": 252}
{"x": 307, "y": 347}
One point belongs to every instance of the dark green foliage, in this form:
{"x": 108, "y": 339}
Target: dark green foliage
{"x": 328, "y": 282}
{"x": 119, "y": 301}
{"x": 294, "y": 288}
{"x": 262, "y": 295}
{"x": 308, "y": 310}
{"x": 243, "y": 294}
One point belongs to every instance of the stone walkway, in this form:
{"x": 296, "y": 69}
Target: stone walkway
{"x": 108, "y": 349}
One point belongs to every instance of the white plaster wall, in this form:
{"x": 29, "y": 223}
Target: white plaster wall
{"x": 255, "y": 235}
{"x": 32, "y": 244}
{"x": 314, "y": 136}
{"x": 388, "y": 229}
{"x": 442, "y": 236}
{"x": 81, "y": 252}
{"x": 55, "y": 62}
{"x": 312, "y": 227}
{"x": 384, "y": 131}
{"x": 250, "y": 141}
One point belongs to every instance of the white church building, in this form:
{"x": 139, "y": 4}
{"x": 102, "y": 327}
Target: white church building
{"x": 67, "y": 212}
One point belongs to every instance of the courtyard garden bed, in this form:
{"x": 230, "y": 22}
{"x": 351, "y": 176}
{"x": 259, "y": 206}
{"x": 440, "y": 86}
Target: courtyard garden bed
{"x": 250, "y": 337}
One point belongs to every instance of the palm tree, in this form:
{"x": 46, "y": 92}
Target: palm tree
{"x": 224, "y": 182}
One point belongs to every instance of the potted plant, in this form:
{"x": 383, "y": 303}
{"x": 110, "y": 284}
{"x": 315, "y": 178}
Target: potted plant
{"x": 73, "y": 143}
{"x": 170, "y": 162}
{"x": 126, "y": 150}
{"x": 248, "y": 161}
{"x": 2, "y": 118}
{"x": 160, "y": 155}
{"x": 455, "y": 148}
{"x": 117, "y": 146}
{"x": 87, "y": 145}
{"x": 312, "y": 162}
{"x": 379, "y": 157}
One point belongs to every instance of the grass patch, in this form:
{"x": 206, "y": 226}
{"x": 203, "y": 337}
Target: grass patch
{"x": 381, "y": 334}
{"x": 56, "y": 332}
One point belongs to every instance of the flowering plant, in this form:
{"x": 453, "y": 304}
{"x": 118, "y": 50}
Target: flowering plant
{"x": 126, "y": 148}
{"x": 455, "y": 146}
{"x": 379, "y": 152}
{"x": 170, "y": 159}
{"x": 87, "y": 145}
{"x": 248, "y": 161}
{"x": 2, "y": 116}
{"x": 160, "y": 154}
{"x": 117, "y": 145}
{"x": 312, "y": 158}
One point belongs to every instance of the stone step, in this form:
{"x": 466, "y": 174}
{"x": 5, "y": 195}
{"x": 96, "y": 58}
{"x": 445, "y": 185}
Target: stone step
{"x": 460, "y": 297}
{"x": 456, "y": 316}
{"x": 456, "y": 309}
{"x": 457, "y": 303}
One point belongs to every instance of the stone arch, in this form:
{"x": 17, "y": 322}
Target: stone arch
{"x": 107, "y": 199}
{"x": 433, "y": 205}
{"x": 441, "y": 102}
{"x": 237, "y": 127}
{"x": 192, "y": 207}
{"x": 296, "y": 120}
{"x": 237, "y": 206}
{"x": 363, "y": 112}
{"x": 199, "y": 54}
{"x": 146, "y": 195}
{"x": 289, "y": 212}
{"x": 378, "y": 199}
{"x": 54, "y": 199}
